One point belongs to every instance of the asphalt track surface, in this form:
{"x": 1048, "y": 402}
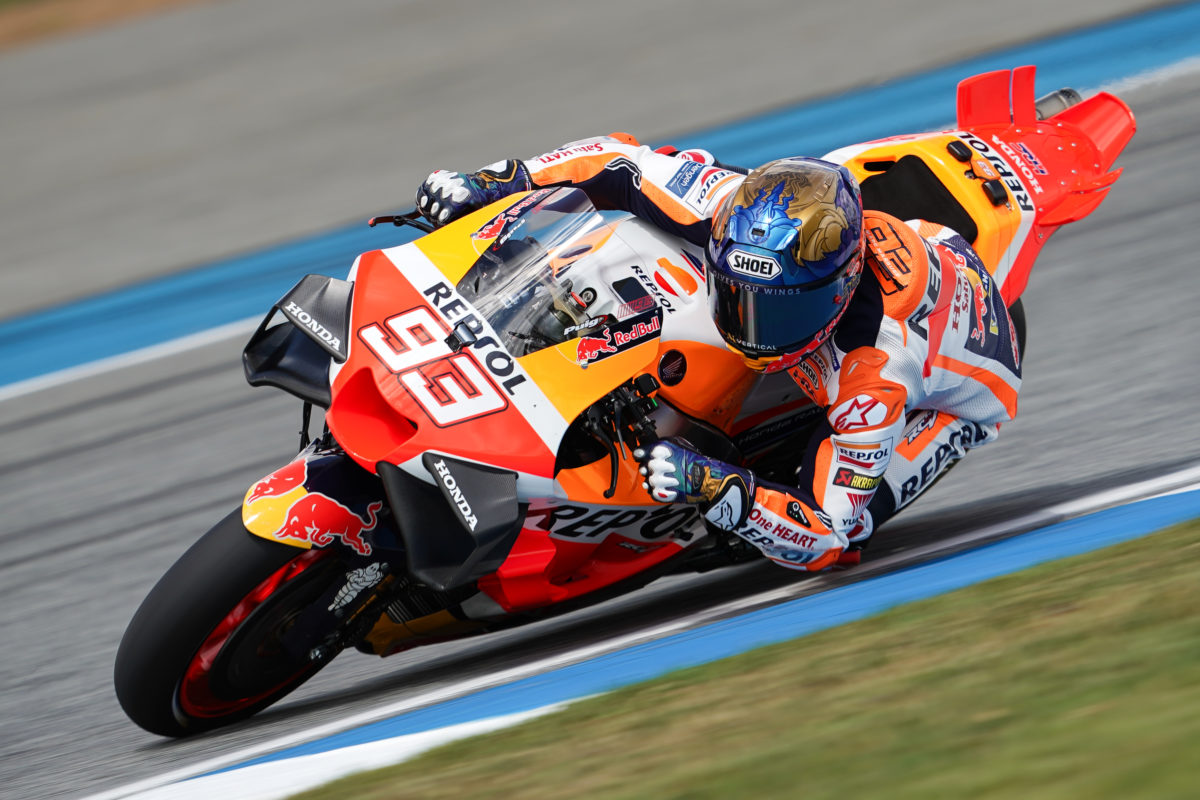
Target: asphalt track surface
{"x": 187, "y": 136}
{"x": 105, "y": 481}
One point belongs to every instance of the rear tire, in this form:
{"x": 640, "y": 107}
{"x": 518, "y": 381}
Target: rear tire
{"x": 203, "y": 650}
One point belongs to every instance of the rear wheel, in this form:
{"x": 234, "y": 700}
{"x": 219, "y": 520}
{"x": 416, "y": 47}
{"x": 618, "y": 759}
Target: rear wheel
{"x": 207, "y": 645}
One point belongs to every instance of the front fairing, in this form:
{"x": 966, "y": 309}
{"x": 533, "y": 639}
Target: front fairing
{"x": 485, "y": 339}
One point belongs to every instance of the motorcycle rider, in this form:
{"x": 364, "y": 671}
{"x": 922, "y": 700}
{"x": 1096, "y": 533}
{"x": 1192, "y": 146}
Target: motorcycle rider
{"x": 895, "y": 328}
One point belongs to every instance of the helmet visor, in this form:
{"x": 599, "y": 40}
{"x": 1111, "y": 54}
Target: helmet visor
{"x": 763, "y": 320}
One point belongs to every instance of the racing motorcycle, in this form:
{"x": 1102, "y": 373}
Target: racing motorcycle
{"x": 484, "y": 387}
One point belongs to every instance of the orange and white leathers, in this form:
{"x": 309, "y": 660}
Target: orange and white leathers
{"x": 677, "y": 194}
{"x": 923, "y": 366}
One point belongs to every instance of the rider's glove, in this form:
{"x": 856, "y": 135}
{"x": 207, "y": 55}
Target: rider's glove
{"x": 769, "y": 516}
{"x": 445, "y": 196}
{"x": 675, "y": 473}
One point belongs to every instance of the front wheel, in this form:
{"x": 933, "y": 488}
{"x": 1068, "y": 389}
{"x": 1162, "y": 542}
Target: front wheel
{"x": 206, "y": 647}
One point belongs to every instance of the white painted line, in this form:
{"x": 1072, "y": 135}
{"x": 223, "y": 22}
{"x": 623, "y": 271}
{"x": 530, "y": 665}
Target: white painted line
{"x": 280, "y": 779}
{"x": 1180, "y": 480}
{"x": 1180, "y": 69}
{"x": 500, "y": 678}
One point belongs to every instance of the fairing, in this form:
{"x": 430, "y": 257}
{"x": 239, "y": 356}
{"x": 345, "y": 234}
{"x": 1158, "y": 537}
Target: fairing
{"x": 482, "y": 344}
{"x": 486, "y": 339}
{"x": 319, "y": 498}
{"x": 1018, "y": 178}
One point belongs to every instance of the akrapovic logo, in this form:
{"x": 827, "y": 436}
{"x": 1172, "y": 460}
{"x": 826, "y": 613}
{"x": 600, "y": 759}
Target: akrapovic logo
{"x": 304, "y": 318}
{"x": 753, "y": 265}
{"x": 464, "y": 508}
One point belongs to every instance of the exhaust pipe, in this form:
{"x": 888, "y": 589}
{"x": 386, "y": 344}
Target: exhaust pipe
{"x": 1051, "y": 104}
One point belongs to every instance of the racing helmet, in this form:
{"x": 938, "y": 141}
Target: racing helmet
{"x": 785, "y": 256}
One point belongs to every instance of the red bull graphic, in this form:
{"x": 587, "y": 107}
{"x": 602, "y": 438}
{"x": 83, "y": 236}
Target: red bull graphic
{"x": 636, "y": 330}
{"x": 319, "y": 519}
{"x": 280, "y": 482}
{"x": 618, "y": 337}
{"x": 979, "y": 334}
{"x": 980, "y": 284}
{"x": 492, "y": 229}
{"x": 591, "y": 348}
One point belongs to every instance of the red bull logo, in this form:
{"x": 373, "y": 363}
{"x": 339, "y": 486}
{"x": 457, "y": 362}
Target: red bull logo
{"x": 280, "y": 482}
{"x": 591, "y": 348}
{"x": 492, "y": 229}
{"x": 319, "y": 519}
{"x": 639, "y": 330}
{"x": 981, "y": 311}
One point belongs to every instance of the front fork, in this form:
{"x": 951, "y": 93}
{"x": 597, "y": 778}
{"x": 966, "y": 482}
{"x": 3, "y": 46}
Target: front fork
{"x": 323, "y": 499}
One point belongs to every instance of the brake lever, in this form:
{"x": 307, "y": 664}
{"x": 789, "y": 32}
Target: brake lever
{"x": 411, "y": 218}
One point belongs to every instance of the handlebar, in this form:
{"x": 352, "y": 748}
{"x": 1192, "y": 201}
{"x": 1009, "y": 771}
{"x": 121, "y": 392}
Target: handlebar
{"x": 412, "y": 218}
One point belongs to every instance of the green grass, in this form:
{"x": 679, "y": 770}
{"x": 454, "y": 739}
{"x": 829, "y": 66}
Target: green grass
{"x": 1076, "y": 679}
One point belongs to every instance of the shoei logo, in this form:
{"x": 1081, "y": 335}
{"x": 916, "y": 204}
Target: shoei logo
{"x": 753, "y": 265}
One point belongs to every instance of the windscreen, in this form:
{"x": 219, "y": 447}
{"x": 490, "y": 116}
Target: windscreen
{"x": 531, "y": 282}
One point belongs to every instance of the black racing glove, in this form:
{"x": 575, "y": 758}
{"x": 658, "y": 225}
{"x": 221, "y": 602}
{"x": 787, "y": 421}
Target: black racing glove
{"x": 445, "y": 196}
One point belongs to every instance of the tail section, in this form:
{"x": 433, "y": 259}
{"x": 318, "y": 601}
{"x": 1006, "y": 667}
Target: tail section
{"x": 1004, "y": 97}
{"x": 1108, "y": 125}
{"x": 1096, "y": 130}
{"x": 1061, "y": 150}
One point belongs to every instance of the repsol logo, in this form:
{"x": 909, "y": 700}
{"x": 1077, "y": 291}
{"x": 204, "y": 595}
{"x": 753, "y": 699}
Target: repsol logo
{"x": 652, "y": 287}
{"x": 956, "y": 446}
{"x": 494, "y": 356}
{"x": 298, "y": 314}
{"x": 597, "y": 523}
{"x": 460, "y": 500}
{"x": 1006, "y": 174}
{"x": 753, "y": 265}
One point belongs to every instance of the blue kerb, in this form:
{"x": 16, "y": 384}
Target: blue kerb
{"x": 775, "y": 624}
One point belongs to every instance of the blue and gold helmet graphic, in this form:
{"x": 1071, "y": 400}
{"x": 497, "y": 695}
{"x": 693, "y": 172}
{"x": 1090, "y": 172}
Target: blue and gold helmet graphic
{"x": 785, "y": 257}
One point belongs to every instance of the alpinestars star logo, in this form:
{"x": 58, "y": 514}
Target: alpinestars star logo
{"x": 861, "y": 411}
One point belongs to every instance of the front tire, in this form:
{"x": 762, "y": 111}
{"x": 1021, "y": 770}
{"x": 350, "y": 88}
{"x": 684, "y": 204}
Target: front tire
{"x": 204, "y": 649}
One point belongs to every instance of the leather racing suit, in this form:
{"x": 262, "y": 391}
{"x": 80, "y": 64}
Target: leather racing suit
{"x": 923, "y": 366}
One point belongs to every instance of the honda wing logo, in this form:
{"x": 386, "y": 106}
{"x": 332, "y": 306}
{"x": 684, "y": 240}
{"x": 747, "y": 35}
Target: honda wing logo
{"x": 754, "y": 265}
{"x": 460, "y": 500}
{"x": 299, "y": 315}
